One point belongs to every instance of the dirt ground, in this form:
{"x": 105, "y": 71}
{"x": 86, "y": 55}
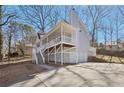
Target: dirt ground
{"x": 106, "y": 59}
{"x": 15, "y": 60}
{"x": 11, "y": 73}
{"x": 78, "y": 75}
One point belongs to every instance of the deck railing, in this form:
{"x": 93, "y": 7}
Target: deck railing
{"x": 67, "y": 57}
{"x": 65, "y": 39}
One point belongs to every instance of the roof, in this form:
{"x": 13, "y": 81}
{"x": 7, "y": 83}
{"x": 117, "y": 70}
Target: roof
{"x": 63, "y": 22}
{"x": 41, "y": 33}
{"x": 28, "y": 45}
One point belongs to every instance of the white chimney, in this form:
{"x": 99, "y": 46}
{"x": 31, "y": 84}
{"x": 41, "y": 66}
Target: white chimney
{"x": 75, "y": 20}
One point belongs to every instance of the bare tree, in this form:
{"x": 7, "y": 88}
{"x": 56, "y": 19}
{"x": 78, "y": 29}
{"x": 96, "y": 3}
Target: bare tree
{"x": 118, "y": 28}
{"x": 66, "y": 10}
{"x": 1, "y": 41}
{"x": 3, "y": 21}
{"x": 54, "y": 16}
{"x": 38, "y": 16}
{"x": 121, "y": 20}
{"x": 10, "y": 41}
{"x": 105, "y": 35}
{"x": 26, "y": 33}
{"x": 111, "y": 29}
{"x": 96, "y": 15}
{"x": 9, "y": 37}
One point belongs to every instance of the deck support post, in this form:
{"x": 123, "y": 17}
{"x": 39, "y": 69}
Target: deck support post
{"x": 47, "y": 52}
{"x": 61, "y": 54}
{"x": 77, "y": 48}
{"x": 55, "y": 54}
{"x": 76, "y": 56}
{"x": 61, "y": 45}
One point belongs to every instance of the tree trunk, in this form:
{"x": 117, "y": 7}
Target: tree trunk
{"x": 105, "y": 39}
{"x": 93, "y": 37}
{"x": 9, "y": 50}
{"x": 117, "y": 33}
{"x": 97, "y": 40}
{"x": 1, "y": 41}
{"x": 1, "y": 45}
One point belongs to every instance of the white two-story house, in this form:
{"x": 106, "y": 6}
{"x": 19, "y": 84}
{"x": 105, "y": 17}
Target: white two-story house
{"x": 67, "y": 42}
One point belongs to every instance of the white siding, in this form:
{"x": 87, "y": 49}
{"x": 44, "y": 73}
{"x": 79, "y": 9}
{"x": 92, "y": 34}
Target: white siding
{"x": 82, "y": 46}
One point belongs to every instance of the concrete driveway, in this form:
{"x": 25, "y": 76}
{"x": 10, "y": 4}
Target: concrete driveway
{"x": 79, "y": 75}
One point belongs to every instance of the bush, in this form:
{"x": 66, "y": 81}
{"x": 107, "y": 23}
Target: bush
{"x": 15, "y": 54}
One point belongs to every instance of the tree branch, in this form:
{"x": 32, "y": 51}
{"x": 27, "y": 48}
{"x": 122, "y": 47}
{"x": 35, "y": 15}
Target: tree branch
{"x": 7, "y": 20}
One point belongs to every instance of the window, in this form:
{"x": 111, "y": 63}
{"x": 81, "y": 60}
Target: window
{"x": 80, "y": 31}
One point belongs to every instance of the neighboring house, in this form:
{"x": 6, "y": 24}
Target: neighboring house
{"x": 65, "y": 43}
{"x": 114, "y": 46}
{"x": 27, "y": 49}
{"x": 15, "y": 46}
{"x": 121, "y": 44}
{"x": 16, "y": 49}
{"x": 4, "y": 52}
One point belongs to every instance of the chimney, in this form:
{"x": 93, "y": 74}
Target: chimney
{"x": 74, "y": 18}
{"x": 76, "y": 21}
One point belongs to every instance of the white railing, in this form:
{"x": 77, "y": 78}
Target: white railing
{"x": 68, "y": 39}
{"x": 70, "y": 49}
{"x": 68, "y": 57}
{"x": 34, "y": 56}
{"x": 38, "y": 50}
{"x": 65, "y": 39}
